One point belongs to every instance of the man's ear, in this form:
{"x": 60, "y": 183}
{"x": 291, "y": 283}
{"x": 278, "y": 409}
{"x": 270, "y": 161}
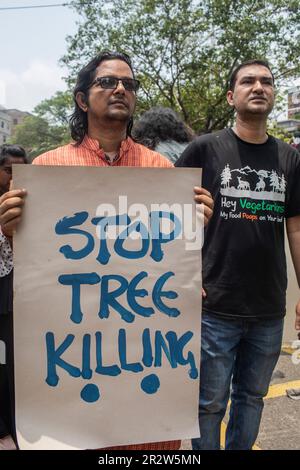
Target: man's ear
{"x": 81, "y": 101}
{"x": 229, "y": 96}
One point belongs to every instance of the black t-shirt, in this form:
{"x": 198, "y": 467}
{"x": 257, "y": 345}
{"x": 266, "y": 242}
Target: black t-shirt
{"x": 255, "y": 187}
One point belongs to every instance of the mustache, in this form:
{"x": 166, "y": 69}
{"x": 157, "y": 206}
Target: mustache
{"x": 119, "y": 100}
{"x": 258, "y": 97}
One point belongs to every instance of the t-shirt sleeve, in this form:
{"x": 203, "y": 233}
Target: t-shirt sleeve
{"x": 191, "y": 157}
{"x": 293, "y": 203}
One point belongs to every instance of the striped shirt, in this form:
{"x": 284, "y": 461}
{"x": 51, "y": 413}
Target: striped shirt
{"x": 89, "y": 153}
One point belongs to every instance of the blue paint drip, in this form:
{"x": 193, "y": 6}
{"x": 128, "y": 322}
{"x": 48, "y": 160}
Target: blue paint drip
{"x": 160, "y": 344}
{"x": 90, "y": 393}
{"x": 104, "y": 222}
{"x": 108, "y": 299}
{"x": 118, "y": 246}
{"x": 134, "y": 366}
{"x": 103, "y": 255}
{"x": 133, "y": 292}
{"x": 150, "y": 384}
{"x": 76, "y": 280}
{"x": 54, "y": 359}
{"x": 101, "y": 369}
{"x": 158, "y": 238}
{"x": 177, "y": 345}
{"x": 86, "y": 357}
{"x": 147, "y": 348}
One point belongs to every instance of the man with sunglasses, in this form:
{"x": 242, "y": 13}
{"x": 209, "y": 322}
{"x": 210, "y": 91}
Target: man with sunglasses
{"x": 105, "y": 98}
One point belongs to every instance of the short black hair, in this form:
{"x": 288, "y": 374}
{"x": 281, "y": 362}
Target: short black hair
{"x": 233, "y": 76}
{"x": 7, "y": 151}
{"x": 86, "y": 76}
{"x": 161, "y": 124}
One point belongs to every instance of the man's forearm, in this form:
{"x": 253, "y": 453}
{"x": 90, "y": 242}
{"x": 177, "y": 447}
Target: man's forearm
{"x": 293, "y": 232}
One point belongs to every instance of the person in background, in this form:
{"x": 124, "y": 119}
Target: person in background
{"x": 162, "y": 130}
{"x": 9, "y": 154}
{"x": 296, "y": 141}
{"x": 254, "y": 179}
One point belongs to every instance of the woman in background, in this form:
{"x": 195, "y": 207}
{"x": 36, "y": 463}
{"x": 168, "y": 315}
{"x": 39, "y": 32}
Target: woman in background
{"x": 162, "y": 130}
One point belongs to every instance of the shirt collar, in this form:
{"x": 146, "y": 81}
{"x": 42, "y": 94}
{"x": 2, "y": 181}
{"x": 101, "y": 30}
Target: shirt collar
{"x": 94, "y": 146}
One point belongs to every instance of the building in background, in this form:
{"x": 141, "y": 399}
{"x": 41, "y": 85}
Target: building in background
{"x": 294, "y": 103}
{"x": 5, "y": 125}
{"x": 292, "y": 123}
{"x": 9, "y": 119}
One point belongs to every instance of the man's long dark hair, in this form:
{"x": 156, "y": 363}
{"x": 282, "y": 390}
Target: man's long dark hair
{"x": 86, "y": 76}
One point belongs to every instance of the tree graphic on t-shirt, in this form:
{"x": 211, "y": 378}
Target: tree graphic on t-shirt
{"x": 274, "y": 181}
{"x": 282, "y": 184}
{"x": 226, "y": 176}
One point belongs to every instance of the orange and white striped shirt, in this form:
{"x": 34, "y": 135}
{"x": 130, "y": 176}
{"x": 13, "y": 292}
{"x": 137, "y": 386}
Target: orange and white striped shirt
{"x": 89, "y": 153}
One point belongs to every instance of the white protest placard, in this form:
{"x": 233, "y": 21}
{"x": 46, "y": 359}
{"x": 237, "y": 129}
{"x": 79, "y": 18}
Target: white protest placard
{"x": 107, "y": 306}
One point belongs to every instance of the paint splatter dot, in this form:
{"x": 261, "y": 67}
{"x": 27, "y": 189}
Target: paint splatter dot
{"x": 150, "y": 383}
{"x": 90, "y": 393}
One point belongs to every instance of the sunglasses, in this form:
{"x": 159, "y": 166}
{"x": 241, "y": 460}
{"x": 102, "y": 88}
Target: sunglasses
{"x": 111, "y": 83}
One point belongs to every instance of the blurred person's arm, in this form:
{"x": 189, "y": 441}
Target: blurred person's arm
{"x": 293, "y": 232}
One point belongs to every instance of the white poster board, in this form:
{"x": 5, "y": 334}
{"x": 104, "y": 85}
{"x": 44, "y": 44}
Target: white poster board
{"x": 107, "y": 330}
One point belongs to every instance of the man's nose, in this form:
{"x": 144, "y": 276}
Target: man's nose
{"x": 257, "y": 86}
{"x": 120, "y": 87}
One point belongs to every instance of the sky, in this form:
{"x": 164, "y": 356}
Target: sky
{"x": 31, "y": 43}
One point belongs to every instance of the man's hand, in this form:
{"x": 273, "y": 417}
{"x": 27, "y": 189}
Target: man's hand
{"x": 297, "y": 321}
{"x": 11, "y": 205}
{"x": 202, "y": 196}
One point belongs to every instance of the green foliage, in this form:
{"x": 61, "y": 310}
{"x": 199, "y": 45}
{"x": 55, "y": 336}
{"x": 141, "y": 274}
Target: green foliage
{"x": 184, "y": 51}
{"x": 47, "y": 128}
{"x": 37, "y": 136}
{"x": 57, "y": 109}
{"x": 279, "y": 132}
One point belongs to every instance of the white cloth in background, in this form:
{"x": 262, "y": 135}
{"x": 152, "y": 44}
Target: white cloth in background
{"x": 6, "y": 256}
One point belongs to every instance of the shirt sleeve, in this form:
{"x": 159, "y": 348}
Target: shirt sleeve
{"x": 293, "y": 204}
{"x": 190, "y": 157}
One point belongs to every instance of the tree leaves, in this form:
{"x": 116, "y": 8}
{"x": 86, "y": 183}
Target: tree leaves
{"x": 185, "y": 50}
